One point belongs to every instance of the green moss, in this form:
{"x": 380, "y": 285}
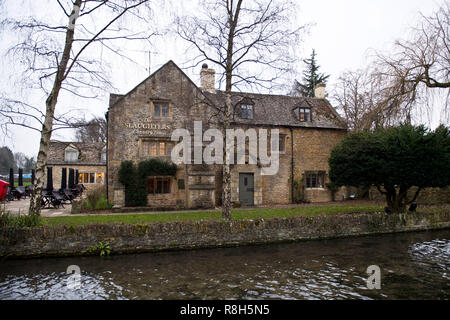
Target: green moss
{"x": 142, "y": 228}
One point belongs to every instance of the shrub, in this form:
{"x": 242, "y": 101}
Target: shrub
{"x": 299, "y": 191}
{"x": 134, "y": 178}
{"x": 102, "y": 249}
{"x": 394, "y": 160}
{"x": 128, "y": 177}
{"x": 96, "y": 199}
{"x": 19, "y": 221}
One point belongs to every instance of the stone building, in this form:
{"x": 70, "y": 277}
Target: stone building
{"x": 141, "y": 122}
{"x": 88, "y": 158}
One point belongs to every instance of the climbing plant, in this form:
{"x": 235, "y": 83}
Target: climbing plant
{"x": 134, "y": 178}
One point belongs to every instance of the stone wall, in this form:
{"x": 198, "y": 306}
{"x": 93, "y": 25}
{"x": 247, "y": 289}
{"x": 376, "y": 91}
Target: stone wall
{"x": 312, "y": 148}
{"x": 426, "y": 196}
{"x": 123, "y": 238}
{"x": 132, "y": 123}
{"x": 132, "y": 120}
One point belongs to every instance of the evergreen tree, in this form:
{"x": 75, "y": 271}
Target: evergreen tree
{"x": 311, "y": 77}
{"x": 6, "y": 160}
{"x": 394, "y": 160}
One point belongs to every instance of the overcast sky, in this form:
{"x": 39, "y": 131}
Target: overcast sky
{"x": 343, "y": 32}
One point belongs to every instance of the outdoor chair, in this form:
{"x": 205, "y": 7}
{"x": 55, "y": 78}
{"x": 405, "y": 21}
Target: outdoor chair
{"x": 17, "y": 193}
{"x": 22, "y": 191}
{"x": 29, "y": 190}
{"x": 67, "y": 195}
{"x": 9, "y": 195}
{"x": 78, "y": 189}
{"x": 53, "y": 200}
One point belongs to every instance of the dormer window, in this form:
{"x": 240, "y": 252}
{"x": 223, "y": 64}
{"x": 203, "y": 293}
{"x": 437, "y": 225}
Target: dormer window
{"x": 247, "y": 111}
{"x": 71, "y": 154}
{"x": 103, "y": 155}
{"x": 304, "y": 114}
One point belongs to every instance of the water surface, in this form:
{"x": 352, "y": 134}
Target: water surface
{"x": 413, "y": 266}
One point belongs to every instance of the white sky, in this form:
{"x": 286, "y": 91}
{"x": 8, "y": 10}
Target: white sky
{"x": 342, "y": 34}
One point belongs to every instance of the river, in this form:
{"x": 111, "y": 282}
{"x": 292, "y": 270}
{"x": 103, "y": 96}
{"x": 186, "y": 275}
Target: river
{"x": 412, "y": 266}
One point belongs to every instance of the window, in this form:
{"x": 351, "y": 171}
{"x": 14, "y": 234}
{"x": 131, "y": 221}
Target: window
{"x": 247, "y": 111}
{"x": 156, "y": 148}
{"x": 161, "y": 110}
{"x": 71, "y": 154}
{"x": 165, "y": 111}
{"x": 304, "y": 114}
{"x": 181, "y": 184}
{"x": 282, "y": 143}
{"x": 87, "y": 177}
{"x": 103, "y": 154}
{"x": 315, "y": 179}
{"x": 158, "y": 185}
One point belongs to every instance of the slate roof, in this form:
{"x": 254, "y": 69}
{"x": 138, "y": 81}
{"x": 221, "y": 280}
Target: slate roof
{"x": 280, "y": 110}
{"x": 272, "y": 110}
{"x": 89, "y": 153}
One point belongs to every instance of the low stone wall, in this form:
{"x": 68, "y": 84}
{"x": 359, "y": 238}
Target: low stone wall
{"x": 426, "y": 196}
{"x": 123, "y": 238}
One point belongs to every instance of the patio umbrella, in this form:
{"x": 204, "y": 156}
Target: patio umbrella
{"x": 20, "y": 177}
{"x": 64, "y": 178}
{"x": 77, "y": 177}
{"x": 49, "y": 180}
{"x": 71, "y": 176}
{"x": 11, "y": 178}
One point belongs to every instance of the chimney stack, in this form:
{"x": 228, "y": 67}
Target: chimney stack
{"x": 319, "y": 91}
{"x": 207, "y": 78}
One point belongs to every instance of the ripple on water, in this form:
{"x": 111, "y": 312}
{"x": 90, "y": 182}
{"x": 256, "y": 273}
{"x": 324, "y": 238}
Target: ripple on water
{"x": 413, "y": 266}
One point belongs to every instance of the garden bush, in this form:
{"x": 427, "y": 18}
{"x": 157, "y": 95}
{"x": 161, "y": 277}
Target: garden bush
{"x": 134, "y": 178}
{"x": 7, "y": 219}
{"x": 96, "y": 199}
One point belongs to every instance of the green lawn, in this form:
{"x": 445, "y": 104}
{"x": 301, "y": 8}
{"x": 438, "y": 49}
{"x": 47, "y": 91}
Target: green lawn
{"x": 238, "y": 214}
{"x": 16, "y": 184}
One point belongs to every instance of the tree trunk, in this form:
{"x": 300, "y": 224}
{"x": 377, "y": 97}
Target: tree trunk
{"x": 233, "y": 20}
{"x": 396, "y": 201}
{"x": 46, "y": 133}
{"x": 226, "y": 195}
{"x": 41, "y": 164}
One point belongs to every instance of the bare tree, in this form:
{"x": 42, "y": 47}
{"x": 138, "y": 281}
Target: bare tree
{"x": 93, "y": 131}
{"x": 397, "y": 86}
{"x": 360, "y": 97}
{"x": 419, "y": 67}
{"x": 57, "y": 57}
{"x": 351, "y": 95}
{"x": 250, "y": 42}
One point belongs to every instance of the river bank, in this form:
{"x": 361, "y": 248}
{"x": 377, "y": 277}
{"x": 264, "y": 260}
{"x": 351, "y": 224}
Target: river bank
{"x": 59, "y": 241}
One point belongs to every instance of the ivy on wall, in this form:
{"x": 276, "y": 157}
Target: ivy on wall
{"x": 134, "y": 178}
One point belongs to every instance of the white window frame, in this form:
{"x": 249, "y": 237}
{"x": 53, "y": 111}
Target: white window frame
{"x": 246, "y": 109}
{"x": 71, "y": 150}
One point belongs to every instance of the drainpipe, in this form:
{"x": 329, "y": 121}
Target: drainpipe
{"x": 292, "y": 165}
{"x": 107, "y": 155}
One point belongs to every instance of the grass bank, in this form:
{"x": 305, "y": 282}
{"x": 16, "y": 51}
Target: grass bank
{"x": 237, "y": 214}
